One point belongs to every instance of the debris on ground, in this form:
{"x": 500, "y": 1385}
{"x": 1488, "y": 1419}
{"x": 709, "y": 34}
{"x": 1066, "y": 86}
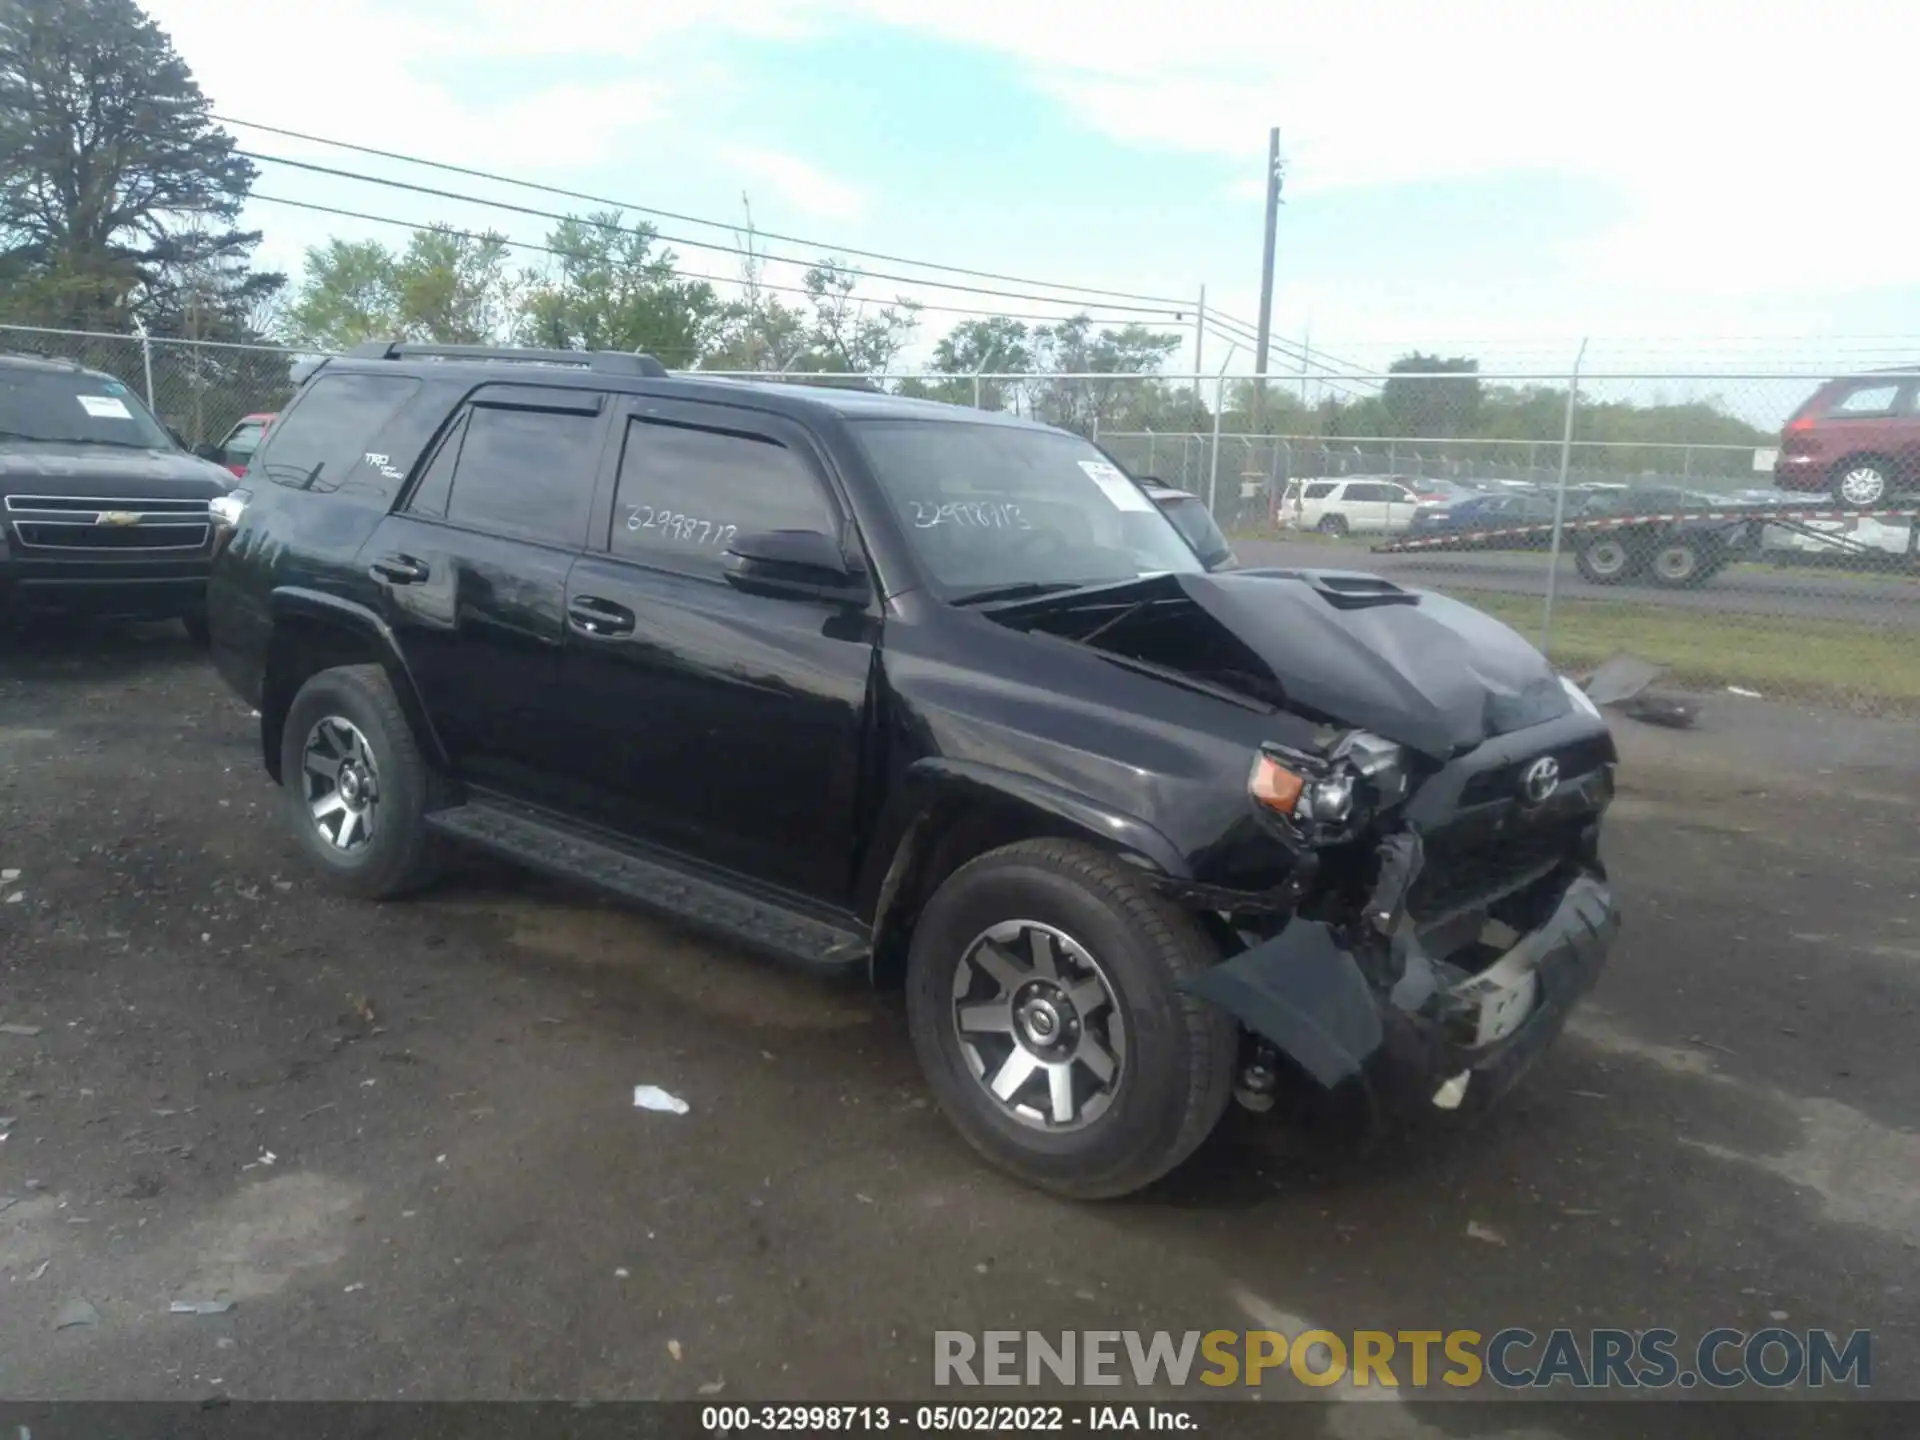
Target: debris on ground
{"x": 25, "y": 1031}
{"x": 76, "y": 1313}
{"x": 652, "y": 1097}
{"x": 1621, "y": 676}
{"x": 1746, "y": 694}
{"x": 41, "y": 1268}
{"x": 7, "y": 877}
{"x": 267, "y": 1157}
{"x": 712, "y": 1387}
{"x": 673, "y": 1348}
{"x": 1477, "y": 1231}
{"x": 200, "y": 1307}
{"x": 1660, "y": 710}
{"x": 16, "y": 897}
{"x": 364, "y": 1008}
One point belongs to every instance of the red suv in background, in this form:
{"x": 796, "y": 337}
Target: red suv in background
{"x": 1858, "y": 439}
{"x": 236, "y": 450}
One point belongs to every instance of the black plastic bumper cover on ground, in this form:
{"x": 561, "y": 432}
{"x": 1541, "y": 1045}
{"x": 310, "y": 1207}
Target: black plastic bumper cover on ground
{"x": 1311, "y": 997}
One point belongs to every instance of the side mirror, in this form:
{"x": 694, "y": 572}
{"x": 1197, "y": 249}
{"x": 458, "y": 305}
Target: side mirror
{"x": 793, "y": 564}
{"x": 206, "y": 449}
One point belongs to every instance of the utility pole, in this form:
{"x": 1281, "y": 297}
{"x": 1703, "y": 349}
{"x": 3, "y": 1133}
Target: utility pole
{"x": 1266, "y": 275}
{"x": 1199, "y": 338}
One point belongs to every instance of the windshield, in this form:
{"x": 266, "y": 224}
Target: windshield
{"x": 71, "y": 407}
{"x": 1192, "y": 519}
{"x": 992, "y": 507}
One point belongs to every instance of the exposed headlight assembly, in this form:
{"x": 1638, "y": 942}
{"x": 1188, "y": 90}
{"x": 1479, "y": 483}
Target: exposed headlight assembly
{"x": 1329, "y": 797}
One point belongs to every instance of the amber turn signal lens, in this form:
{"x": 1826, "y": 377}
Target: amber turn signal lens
{"x": 1275, "y": 786}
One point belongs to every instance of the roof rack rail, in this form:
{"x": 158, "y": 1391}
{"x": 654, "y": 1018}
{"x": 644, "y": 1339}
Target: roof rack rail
{"x": 606, "y": 362}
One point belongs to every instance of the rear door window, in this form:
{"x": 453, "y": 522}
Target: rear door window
{"x": 685, "y": 490}
{"x": 329, "y": 430}
{"x": 525, "y": 473}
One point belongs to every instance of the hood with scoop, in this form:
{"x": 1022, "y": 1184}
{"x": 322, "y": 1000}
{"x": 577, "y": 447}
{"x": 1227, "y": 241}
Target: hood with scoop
{"x": 1354, "y": 650}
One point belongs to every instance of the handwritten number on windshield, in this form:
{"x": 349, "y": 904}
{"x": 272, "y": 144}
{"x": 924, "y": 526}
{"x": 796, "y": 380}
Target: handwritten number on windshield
{"x": 679, "y": 526}
{"x": 969, "y": 514}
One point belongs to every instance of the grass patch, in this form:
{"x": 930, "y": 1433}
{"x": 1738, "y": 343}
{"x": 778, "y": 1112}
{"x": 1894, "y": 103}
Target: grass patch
{"x": 1860, "y": 668}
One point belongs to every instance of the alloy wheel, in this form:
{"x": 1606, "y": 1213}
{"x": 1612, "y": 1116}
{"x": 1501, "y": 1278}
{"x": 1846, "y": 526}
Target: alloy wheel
{"x": 340, "y": 783}
{"x": 1039, "y": 1024}
{"x": 1863, "y": 485}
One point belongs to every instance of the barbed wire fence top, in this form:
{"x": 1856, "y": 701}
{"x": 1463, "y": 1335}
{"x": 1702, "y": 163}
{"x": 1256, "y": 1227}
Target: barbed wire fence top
{"x": 1558, "y": 502}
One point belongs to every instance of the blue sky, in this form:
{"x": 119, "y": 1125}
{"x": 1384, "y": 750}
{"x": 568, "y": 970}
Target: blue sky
{"x": 1484, "y": 178}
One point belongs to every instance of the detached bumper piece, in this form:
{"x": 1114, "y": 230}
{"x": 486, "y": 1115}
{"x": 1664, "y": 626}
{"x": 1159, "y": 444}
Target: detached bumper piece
{"x": 1421, "y": 1034}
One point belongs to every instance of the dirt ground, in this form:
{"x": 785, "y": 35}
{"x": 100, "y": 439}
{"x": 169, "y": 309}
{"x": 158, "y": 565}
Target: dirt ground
{"x": 402, "y": 1139}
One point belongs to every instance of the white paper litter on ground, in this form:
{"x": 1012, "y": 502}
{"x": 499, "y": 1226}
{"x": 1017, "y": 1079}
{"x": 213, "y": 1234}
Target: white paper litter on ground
{"x": 652, "y": 1097}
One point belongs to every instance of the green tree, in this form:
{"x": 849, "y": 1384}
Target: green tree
{"x": 1131, "y": 354}
{"x": 1422, "y": 399}
{"x": 118, "y": 193}
{"x": 609, "y": 289}
{"x": 997, "y": 344}
{"x": 346, "y": 294}
{"x": 846, "y": 334}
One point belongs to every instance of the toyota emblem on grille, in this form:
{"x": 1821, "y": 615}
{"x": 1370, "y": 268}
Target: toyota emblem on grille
{"x": 118, "y": 517}
{"x": 1540, "y": 779}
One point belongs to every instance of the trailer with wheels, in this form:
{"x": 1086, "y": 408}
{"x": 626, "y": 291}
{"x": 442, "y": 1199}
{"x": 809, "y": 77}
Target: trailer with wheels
{"x": 1676, "y": 550}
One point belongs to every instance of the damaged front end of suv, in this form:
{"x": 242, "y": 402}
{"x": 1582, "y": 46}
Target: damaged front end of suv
{"x": 1438, "y": 902}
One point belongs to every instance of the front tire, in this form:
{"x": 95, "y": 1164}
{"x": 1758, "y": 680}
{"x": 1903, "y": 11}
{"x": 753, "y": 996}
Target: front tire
{"x": 357, "y": 788}
{"x": 1044, "y": 1003}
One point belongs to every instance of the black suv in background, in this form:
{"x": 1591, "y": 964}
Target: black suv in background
{"x": 102, "y": 514}
{"x": 867, "y": 681}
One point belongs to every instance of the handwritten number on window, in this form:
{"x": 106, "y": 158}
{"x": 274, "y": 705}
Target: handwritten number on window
{"x": 677, "y": 526}
{"x": 969, "y": 515}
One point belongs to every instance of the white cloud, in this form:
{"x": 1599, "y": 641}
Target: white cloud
{"x": 805, "y": 187}
{"x": 1707, "y": 120}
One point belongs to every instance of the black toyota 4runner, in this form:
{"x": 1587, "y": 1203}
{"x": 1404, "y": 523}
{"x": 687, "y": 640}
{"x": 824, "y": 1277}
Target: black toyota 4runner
{"x": 874, "y": 682}
{"x": 101, "y": 512}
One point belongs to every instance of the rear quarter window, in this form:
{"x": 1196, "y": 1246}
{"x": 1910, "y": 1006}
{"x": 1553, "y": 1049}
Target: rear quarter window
{"x": 331, "y": 431}
{"x": 1318, "y": 492}
{"x": 1872, "y": 399}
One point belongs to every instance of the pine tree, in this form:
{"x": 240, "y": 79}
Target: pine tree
{"x": 118, "y": 192}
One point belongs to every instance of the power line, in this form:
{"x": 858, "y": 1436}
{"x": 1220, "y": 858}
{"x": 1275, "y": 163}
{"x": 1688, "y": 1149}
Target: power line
{"x": 682, "y": 274}
{"x": 694, "y": 219}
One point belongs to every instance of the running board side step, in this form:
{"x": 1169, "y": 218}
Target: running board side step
{"x": 706, "y": 900}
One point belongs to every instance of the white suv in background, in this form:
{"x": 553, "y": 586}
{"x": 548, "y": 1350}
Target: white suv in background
{"x": 1361, "y": 504}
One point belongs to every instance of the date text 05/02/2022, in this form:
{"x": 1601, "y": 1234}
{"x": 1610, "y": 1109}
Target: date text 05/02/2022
{"x": 946, "y": 1419}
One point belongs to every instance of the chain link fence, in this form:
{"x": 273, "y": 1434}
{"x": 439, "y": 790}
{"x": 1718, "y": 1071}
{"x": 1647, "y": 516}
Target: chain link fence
{"x": 1753, "y": 534}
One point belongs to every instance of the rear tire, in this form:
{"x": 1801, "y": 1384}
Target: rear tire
{"x": 1862, "y": 483}
{"x": 1606, "y": 561}
{"x": 1682, "y": 564}
{"x": 196, "y": 627}
{"x": 984, "y": 1011}
{"x": 357, "y": 787}
{"x": 1332, "y": 526}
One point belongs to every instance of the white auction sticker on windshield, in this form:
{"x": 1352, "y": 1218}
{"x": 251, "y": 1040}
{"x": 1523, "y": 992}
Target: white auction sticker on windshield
{"x": 1124, "y": 494}
{"x": 105, "y": 407}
